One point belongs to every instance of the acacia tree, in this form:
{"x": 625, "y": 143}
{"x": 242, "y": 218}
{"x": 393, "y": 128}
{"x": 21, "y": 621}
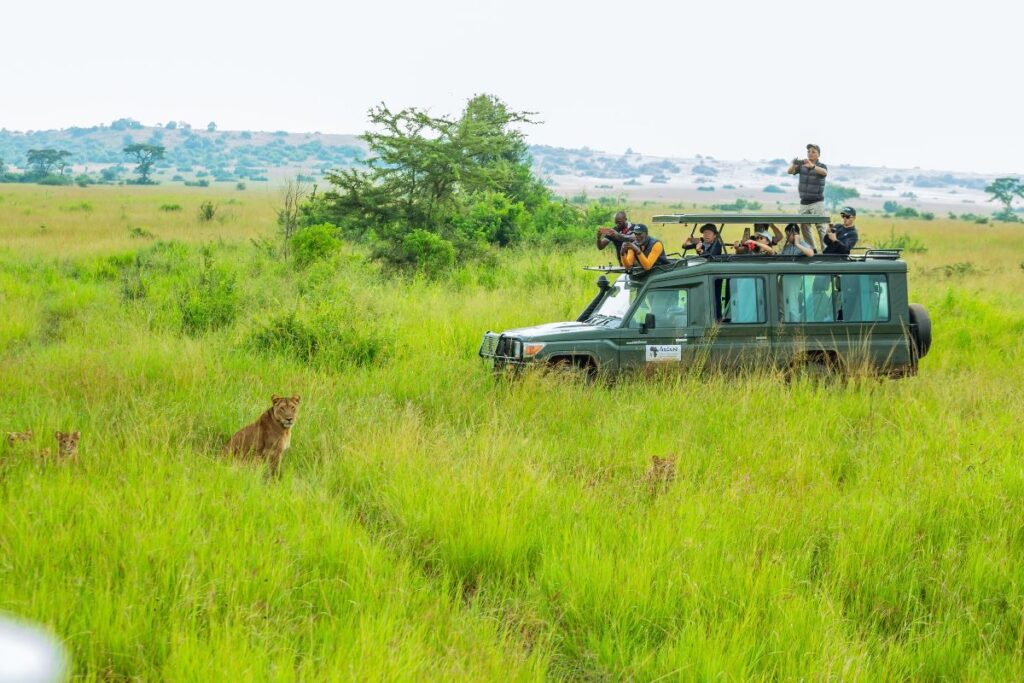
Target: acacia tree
{"x": 837, "y": 194}
{"x": 422, "y": 169}
{"x": 145, "y": 156}
{"x": 1005, "y": 190}
{"x": 43, "y": 161}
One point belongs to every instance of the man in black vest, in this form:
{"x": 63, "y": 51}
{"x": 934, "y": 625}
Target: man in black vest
{"x": 646, "y": 250}
{"x": 812, "y": 190}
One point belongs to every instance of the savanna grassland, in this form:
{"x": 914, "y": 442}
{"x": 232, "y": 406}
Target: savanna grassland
{"x": 433, "y": 523}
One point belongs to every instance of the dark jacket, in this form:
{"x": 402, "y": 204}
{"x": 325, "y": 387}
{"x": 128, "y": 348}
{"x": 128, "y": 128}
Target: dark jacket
{"x": 812, "y": 185}
{"x": 846, "y": 240}
{"x": 714, "y": 249}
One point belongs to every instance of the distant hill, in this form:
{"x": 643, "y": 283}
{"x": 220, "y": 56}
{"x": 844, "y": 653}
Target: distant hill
{"x": 201, "y": 156}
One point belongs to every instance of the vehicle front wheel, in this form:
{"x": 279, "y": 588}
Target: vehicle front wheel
{"x": 582, "y": 369}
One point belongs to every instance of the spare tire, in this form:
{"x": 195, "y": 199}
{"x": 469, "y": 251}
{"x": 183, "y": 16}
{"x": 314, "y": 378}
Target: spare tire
{"x": 922, "y": 332}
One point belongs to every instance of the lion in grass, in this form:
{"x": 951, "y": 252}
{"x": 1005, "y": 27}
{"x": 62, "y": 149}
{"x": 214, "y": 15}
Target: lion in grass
{"x": 67, "y": 445}
{"x": 268, "y": 437}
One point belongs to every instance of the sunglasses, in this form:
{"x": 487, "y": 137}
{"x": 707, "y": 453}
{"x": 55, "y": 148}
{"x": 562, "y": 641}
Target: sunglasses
{"x": 846, "y": 215}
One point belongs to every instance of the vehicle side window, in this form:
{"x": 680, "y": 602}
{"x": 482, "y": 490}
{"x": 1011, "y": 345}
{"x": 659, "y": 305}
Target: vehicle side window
{"x": 830, "y": 298}
{"x": 669, "y": 306}
{"x": 863, "y": 298}
{"x": 740, "y": 300}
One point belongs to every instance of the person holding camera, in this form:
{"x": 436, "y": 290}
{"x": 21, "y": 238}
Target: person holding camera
{"x": 812, "y": 190}
{"x": 841, "y": 239}
{"x": 622, "y": 232}
{"x": 710, "y": 243}
{"x": 759, "y": 244}
{"x": 645, "y": 250}
{"x": 794, "y": 246}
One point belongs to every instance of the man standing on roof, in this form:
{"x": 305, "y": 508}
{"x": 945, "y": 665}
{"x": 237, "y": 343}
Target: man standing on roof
{"x": 843, "y": 238}
{"x": 622, "y": 232}
{"x": 812, "y": 190}
{"x": 646, "y": 250}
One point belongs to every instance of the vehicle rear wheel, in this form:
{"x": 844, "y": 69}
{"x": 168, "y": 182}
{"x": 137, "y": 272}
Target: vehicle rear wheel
{"x": 921, "y": 336}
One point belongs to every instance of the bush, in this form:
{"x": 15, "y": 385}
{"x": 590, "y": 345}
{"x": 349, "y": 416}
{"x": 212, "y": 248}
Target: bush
{"x": 493, "y": 218}
{"x": 170, "y": 207}
{"x": 211, "y": 302}
{"x": 314, "y": 243}
{"x": 207, "y": 211}
{"x": 239, "y": 186}
{"x": 323, "y": 339}
{"x": 904, "y": 242}
{"x": 773, "y": 189}
{"x": 427, "y": 253}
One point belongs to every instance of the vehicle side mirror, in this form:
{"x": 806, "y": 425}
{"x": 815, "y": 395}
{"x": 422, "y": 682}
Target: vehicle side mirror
{"x": 648, "y": 324}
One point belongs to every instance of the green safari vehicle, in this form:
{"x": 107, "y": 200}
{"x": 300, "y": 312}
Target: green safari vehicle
{"x": 734, "y": 310}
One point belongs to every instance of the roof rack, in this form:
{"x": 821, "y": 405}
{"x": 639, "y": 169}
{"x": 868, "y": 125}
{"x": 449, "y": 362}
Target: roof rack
{"x": 883, "y": 254}
{"x": 734, "y": 218}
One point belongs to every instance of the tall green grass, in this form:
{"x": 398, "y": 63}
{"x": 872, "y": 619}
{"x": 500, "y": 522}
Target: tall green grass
{"x": 433, "y": 523}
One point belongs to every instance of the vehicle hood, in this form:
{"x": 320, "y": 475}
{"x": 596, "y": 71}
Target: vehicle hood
{"x": 556, "y": 331}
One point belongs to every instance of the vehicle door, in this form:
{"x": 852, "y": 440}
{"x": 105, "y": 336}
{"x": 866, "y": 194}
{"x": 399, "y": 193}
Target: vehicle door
{"x": 677, "y": 338}
{"x": 739, "y": 304}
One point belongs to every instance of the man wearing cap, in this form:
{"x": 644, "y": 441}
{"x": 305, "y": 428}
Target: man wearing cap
{"x": 794, "y": 246}
{"x": 622, "y": 231}
{"x": 710, "y": 243}
{"x": 812, "y": 190}
{"x": 843, "y": 238}
{"x": 646, "y": 250}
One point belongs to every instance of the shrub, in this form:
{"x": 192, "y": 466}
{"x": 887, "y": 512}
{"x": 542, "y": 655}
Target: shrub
{"x": 325, "y": 339}
{"x": 706, "y": 188}
{"x": 140, "y": 233}
{"x": 133, "y": 286}
{"x": 170, "y": 207}
{"x": 240, "y": 186}
{"x": 904, "y": 242}
{"x": 773, "y": 189}
{"x": 207, "y": 211}
{"x": 211, "y": 302}
{"x": 427, "y": 253}
{"x": 314, "y": 243}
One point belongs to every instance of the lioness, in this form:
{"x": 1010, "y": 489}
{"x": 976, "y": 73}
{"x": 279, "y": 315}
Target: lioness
{"x": 660, "y": 474}
{"x": 67, "y": 445}
{"x": 270, "y": 435}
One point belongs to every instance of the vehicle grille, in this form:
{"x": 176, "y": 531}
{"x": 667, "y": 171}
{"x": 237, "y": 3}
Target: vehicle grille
{"x": 490, "y": 344}
{"x": 496, "y": 346}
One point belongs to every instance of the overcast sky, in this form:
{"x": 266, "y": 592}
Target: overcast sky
{"x": 901, "y": 84}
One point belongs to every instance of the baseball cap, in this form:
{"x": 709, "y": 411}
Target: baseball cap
{"x": 709, "y": 226}
{"x": 849, "y": 211}
{"x": 811, "y": 145}
{"x": 792, "y": 227}
{"x": 639, "y": 227}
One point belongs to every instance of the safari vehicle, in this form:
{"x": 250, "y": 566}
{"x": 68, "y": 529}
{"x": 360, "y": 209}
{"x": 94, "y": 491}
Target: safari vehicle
{"x": 734, "y": 310}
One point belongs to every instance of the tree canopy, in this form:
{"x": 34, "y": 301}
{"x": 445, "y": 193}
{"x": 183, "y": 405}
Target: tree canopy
{"x": 43, "y": 161}
{"x": 1005, "y": 190}
{"x": 145, "y": 156}
{"x": 465, "y": 181}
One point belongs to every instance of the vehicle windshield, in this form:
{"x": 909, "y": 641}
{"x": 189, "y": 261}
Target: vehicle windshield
{"x": 615, "y": 303}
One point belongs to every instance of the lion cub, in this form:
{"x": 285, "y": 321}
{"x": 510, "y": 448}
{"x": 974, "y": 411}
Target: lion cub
{"x": 660, "y": 474}
{"x": 269, "y": 436}
{"x": 67, "y": 445}
{"x": 15, "y": 438}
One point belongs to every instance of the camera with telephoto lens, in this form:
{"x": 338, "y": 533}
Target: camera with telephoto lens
{"x": 798, "y": 162}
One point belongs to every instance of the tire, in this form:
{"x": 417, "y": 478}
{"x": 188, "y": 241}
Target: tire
{"x": 922, "y": 329}
{"x": 574, "y": 368}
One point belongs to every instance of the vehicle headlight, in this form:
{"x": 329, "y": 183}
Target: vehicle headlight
{"x": 531, "y": 349}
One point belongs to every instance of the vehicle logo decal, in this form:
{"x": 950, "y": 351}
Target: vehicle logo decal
{"x": 664, "y": 353}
